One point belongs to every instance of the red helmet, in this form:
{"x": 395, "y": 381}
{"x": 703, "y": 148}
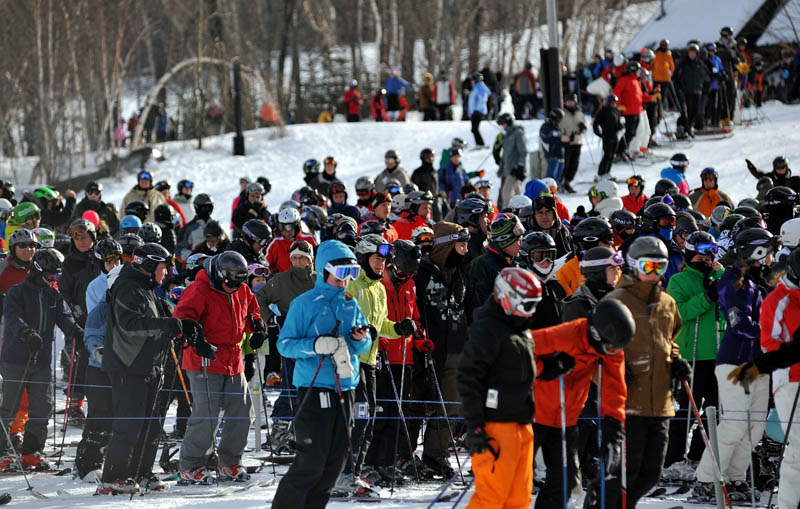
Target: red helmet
{"x": 517, "y": 290}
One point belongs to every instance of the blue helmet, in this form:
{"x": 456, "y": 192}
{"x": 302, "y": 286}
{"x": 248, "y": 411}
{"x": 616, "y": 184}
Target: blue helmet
{"x": 175, "y": 294}
{"x": 130, "y": 221}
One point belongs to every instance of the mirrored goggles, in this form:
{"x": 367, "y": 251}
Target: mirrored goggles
{"x": 703, "y": 249}
{"x": 652, "y": 265}
{"x": 344, "y": 272}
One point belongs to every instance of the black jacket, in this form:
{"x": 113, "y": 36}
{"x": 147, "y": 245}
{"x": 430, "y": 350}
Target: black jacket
{"x": 79, "y": 270}
{"x": 484, "y": 269}
{"x": 139, "y": 328}
{"x": 33, "y": 304}
{"x": 59, "y": 217}
{"x": 168, "y": 237}
{"x": 607, "y": 123}
{"x": 444, "y": 308}
{"x": 691, "y": 75}
{"x": 550, "y": 309}
{"x": 246, "y": 211}
{"x": 106, "y": 211}
{"x": 426, "y": 179}
{"x": 243, "y": 249}
{"x": 498, "y": 357}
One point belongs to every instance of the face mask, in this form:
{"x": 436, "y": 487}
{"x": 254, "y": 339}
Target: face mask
{"x": 701, "y": 267}
{"x": 257, "y": 287}
{"x": 666, "y": 233}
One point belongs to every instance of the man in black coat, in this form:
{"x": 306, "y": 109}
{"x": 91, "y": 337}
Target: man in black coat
{"x": 691, "y": 77}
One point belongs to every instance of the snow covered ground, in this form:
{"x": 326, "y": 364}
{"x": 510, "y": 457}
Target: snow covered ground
{"x": 359, "y": 148}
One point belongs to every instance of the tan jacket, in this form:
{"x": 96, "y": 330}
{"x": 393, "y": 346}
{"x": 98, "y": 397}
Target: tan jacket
{"x": 425, "y": 94}
{"x": 570, "y": 126}
{"x": 648, "y": 359}
{"x": 149, "y": 196}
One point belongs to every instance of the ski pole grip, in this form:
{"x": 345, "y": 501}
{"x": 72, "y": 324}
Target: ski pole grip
{"x": 746, "y": 384}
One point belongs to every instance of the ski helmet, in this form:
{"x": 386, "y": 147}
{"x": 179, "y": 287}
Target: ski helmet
{"x": 107, "y": 249}
{"x": 417, "y": 198}
{"x": 257, "y": 231}
{"x": 680, "y": 202}
{"x": 517, "y": 290}
{"x": 150, "y": 232}
{"x": 311, "y": 166}
{"x": 790, "y": 233}
{"x": 149, "y": 255}
{"x": 611, "y": 326}
{"x": 364, "y": 184}
{"x": 255, "y": 188}
{"x": 726, "y": 30}
{"x": 505, "y": 119}
{"x": 82, "y": 226}
{"x": 45, "y": 236}
{"x": 657, "y": 216}
{"x": 22, "y": 236}
{"x": 228, "y": 268}
{"x": 372, "y": 226}
{"x": 469, "y": 212}
{"x": 699, "y": 243}
{"x": 392, "y": 154}
{"x": 636, "y": 180}
{"x": 665, "y": 187}
{"x": 633, "y": 67}
{"x": 753, "y": 245}
{"x": 647, "y": 56}
{"x": 745, "y": 223}
{"x": 555, "y": 115}
{"x": 6, "y": 209}
{"x": 749, "y": 202}
{"x": 138, "y": 208}
{"x": 316, "y": 217}
{"x": 194, "y": 264}
{"x": 611, "y": 98}
{"x": 164, "y": 214}
{"x": 367, "y": 246}
{"x": 746, "y": 211}
{"x": 458, "y": 143}
{"x": 212, "y": 229}
{"x": 130, "y": 222}
{"x": 129, "y": 242}
{"x": 711, "y": 47}
{"x": 26, "y": 211}
{"x": 48, "y": 261}
{"x": 423, "y": 236}
{"x": 780, "y": 162}
{"x": 175, "y": 294}
{"x": 728, "y": 223}
{"x": 621, "y": 220}
{"x": 405, "y": 259}
{"x": 289, "y": 217}
{"x": 425, "y": 153}
{"x": 203, "y": 199}
{"x": 595, "y": 260}
{"x": 46, "y": 194}
{"x": 646, "y": 247}
{"x": 518, "y": 202}
{"x": 590, "y": 232}
{"x": 483, "y": 184}
{"x": 619, "y": 59}
{"x": 162, "y": 185}
{"x": 719, "y": 213}
{"x": 185, "y": 184}
{"x": 93, "y": 187}
{"x": 410, "y": 187}
{"x": 538, "y": 247}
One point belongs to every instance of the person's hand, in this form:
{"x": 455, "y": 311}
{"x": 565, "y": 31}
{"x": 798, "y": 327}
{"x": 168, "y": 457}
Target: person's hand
{"x": 424, "y": 345}
{"x": 326, "y": 344}
{"x": 621, "y": 108}
{"x": 612, "y": 444}
{"x": 518, "y": 172}
{"x": 553, "y": 367}
{"x": 656, "y": 96}
{"x": 249, "y": 366}
{"x": 192, "y": 331}
{"x": 711, "y": 287}
{"x": 747, "y": 371}
{"x": 405, "y": 327}
{"x": 97, "y": 354}
{"x": 32, "y": 338}
{"x": 205, "y": 349}
{"x": 681, "y": 370}
{"x": 477, "y": 441}
{"x": 383, "y": 344}
{"x": 716, "y": 266}
{"x": 259, "y": 334}
{"x": 565, "y": 138}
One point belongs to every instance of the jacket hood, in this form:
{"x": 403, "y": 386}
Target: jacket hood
{"x": 330, "y": 250}
{"x": 441, "y": 251}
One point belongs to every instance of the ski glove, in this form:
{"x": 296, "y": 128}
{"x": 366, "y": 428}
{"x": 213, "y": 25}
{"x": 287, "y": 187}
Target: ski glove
{"x": 384, "y": 344}
{"x": 747, "y": 371}
{"x": 553, "y": 367}
{"x": 612, "y": 444}
{"x": 423, "y": 345}
{"x": 681, "y": 370}
{"x": 518, "y": 172}
{"x": 327, "y": 345}
{"x": 259, "y": 334}
{"x": 405, "y": 327}
{"x": 192, "y": 331}
{"x": 97, "y": 354}
{"x": 477, "y": 441}
{"x": 249, "y": 366}
{"x": 712, "y": 289}
{"x": 205, "y": 349}
{"x": 76, "y": 332}
{"x": 32, "y": 339}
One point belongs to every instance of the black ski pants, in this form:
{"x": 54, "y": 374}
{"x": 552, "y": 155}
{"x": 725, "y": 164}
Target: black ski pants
{"x": 365, "y": 419}
{"x": 549, "y": 439}
{"x": 97, "y": 432}
{"x": 321, "y": 429}
{"x": 476, "y": 122}
{"x": 388, "y": 425}
{"x": 705, "y": 391}
{"x": 572, "y": 157}
{"x": 609, "y": 149}
{"x": 38, "y": 383}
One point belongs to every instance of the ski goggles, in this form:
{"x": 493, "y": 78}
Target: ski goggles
{"x": 112, "y": 257}
{"x": 395, "y": 189}
{"x": 330, "y": 160}
{"x": 258, "y": 270}
{"x": 652, "y": 265}
{"x": 542, "y": 256}
{"x": 76, "y": 229}
{"x": 337, "y": 188}
{"x": 615, "y": 260}
{"x": 703, "y": 249}
{"x": 482, "y": 184}
{"x": 461, "y": 236}
{"x": 188, "y": 184}
{"x": 145, "y": 176}
{"x": 350, "y": 270}
{"x": 423, "y": 237}
{"x": 544, "y": 202}
{"x": 93, "y": 192}
{"x": 633, "y": 181}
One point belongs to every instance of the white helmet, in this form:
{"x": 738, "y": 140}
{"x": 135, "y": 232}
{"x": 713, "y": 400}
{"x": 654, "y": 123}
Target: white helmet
{"x": 607, "y": 207}
{"x": 550, "y": 182}
{"x": 45, "y": 236}
{"x": 618, "y": 60}
{"x": 289, "y": 215}
{"x": 607, "y": 187}
{"x": 5, "y": 208}
{"x": 790, "y": 233}
{"x": 399, "y": 203}
{"x": 519, "y": 201}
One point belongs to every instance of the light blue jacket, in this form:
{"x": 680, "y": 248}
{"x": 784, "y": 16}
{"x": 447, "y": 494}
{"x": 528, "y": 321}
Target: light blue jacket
{"x": 96, "y": 291}
{"x": 95, "y": 331}
{"x": 477, "y": 98}
{"x": 316, "y": 312}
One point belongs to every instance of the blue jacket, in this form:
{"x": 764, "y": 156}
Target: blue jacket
{"x": 315, "y": 312}
{"x": 346, "y": 209}
{"x": 396, "y": 84}
{"x": 715, "y": 63}
{"x": 96, "y": 291}
{"x": 674, "y": 175}
{"x": 451, "y": 178}
{"x": 95, "y": 332}
{"x": 742, "y": 308}
{"x": 550, "y": 137}
{"x": 476, "y": 101}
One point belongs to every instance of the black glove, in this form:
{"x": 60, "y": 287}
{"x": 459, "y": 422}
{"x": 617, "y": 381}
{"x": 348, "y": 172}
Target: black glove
{"x": 405, "y": 327}
{"x": 192, "y": 331}
{"x": 204, "y": 349}
{"x": 612, "y": 444}
{"x": 32, "y": 339}
{"x": 272, "y": 333}
{"x": 553, "y": 367}
{"x": 477, "y": 440}
{"x": 249, "y": 366}
{"x": 76, "y": 332}
{"x": 259, "y": 334}
{"x": 518, "y": 173}
{"x": 448, "y": 187}
{"x": 712, "y": 289}
{"x": 751, "y": 166}
{"x": 681, "y": 370}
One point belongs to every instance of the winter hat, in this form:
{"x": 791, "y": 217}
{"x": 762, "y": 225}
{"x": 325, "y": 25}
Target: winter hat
{"x": 302, "y": 248}
{"x": 92, "y": 216}
{"x": 505, "y": 231}
{"x": 535, "y": 188}
{"x": 381, "y": 198}
{"x": 444, "y": 235}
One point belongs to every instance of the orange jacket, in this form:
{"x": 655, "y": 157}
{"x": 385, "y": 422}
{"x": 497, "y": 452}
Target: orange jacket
{"x": 571, "y": 338}
{"x": 569, "y": 275}
{"x": 634, "y": 203}
{"x": 663, "y": 66}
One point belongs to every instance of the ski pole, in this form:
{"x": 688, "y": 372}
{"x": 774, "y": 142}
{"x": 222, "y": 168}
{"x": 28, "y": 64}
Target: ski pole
{"x": 687, "y": 443}
{"x": 429, "y": 358}
{"x": 785, "y": 439}
{"x": 746, "y": 383}
{"x": 708, "y": 443}
{"x": 624, "y": 480}
{"x": 16, "y": 454}
{"x": 180, "y": 375}
{"x": 385, "y": 359}
{"x": 397, "y": 430}
{"x": 66, "y": 410}
{"x": 55, "y": 433}
{"x": 447, "y": 485}
{"x": 563, "y": 440}
{"x": 599, "y": 404}
{"x": 150, "y": 420}
{"x": 266, "y": 417}
{"x": 344, "y": 415}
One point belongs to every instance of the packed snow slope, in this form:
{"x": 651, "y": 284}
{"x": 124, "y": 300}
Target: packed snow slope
{"x": 359, "y": 149}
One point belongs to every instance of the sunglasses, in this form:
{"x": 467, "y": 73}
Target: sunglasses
{"x": 344, "y": 272}
{"x": 27, "y": 245}
{"x": 652, "y": 265}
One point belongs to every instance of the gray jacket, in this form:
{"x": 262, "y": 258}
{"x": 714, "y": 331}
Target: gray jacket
{"x": 383, "y": 177}
{"x": 515, "y": 150}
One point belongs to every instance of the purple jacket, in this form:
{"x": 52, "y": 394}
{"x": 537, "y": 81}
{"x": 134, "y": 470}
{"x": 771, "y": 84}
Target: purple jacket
{"x": 742, "y": 308}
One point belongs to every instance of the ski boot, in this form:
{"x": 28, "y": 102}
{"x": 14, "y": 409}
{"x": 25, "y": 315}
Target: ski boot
{"x": 282, "y": 439}
{"x": 411, "y": 467}
{"x": 348, "y": 486}
{"x": 739, "y": 491}
{"x": 703, "y": 492}
{"x": 233, "y": 473}
{"x": 9, "y": 464}
{"x": 440, "y": 466}
{"x": 34, "y": 461}
{"x": 387, "y": 473}
{"x": 273, "y": 379}
{"x": 75, "y": 415}
{"x": 199, "y": 475}
{"x": 680, "y": 471}
{"x": 151, "y": 482}
{"x": 117, "y": 488}
{"x": 90, "y": 477}
{"x": 165, "y": 461}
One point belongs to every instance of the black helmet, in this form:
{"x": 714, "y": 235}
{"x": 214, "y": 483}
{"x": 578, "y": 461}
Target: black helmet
{"x": 265, "y": 183}
{"x": 257, "y": 231}
{"x": 746, "y": 211}
{"x": 726, "y": 30}
{"x": 647, "y": 247}
{"x": 392, "y": 154}
{"x": 612, "y": 324}
{"x": 779, "y": 198}
{"x": 764, "y": 184}
{"x": 653, "y": 214}
{"x": 780, "y": 160}
{"x": 93, "y": 186}
{"x": 750, "y": 202}
{"x": 754, "y": 245}
{"x": 665, "y": 186}
{"x": 165, "y": 214}
{"x": 596, "y": 260}
{"x": 632, "y": 67}
{"x": 409, "y": 188}
{"x": 505, "y": 118}
{"x": 228, "y": 268}
{"x": 793, "y": 267}
{"x": 184, "y": 183}
{"x": 372, "y": 226}
{"x": 316, "y": 217}
{"x": 701, "y": 220}
{"x": 622, "y": 219}
{"x": 150, "y": 232}
{"x": 63, "y": 243}
{"x": 405, "y": 256}
{"x": 476, "y": 76}
{"x": 194, "y": 264}
{"x": 636, "y": 180}
{"x": 48, "y": 261}
{"x": 137, "y": 208}
{"x": 680, "y": 202}
{"x": 162, "y": 185}
{"x": 469, "y": 212}
{"x": 556, "y": 114}
{"x": 699, "y": 243}
{"x": 149, "y": 255}
{"x": 425, "y": 153}
{"x": 107, "y": 247}
{"x": 129, "y": 242}
{"x": 684, "y": 222}
{"x": 590, "y": 231}
{"x": 203, "y": 199}
{"x": 745, "y": 223}
{"x": 728, "y": 223}
{"x": 537, "y": 241}
{"x": 212, "y": 229}
{"x": 311, "y": 166}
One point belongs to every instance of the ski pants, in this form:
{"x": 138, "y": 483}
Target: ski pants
{"x": 631, "y": 123}
{"x": 476, "y": 123}
{"x": 572, "y": 157}
{"x": 38, "y": 383}
{"x": 549, "y": 439}
{"x": 734, "y": 448}
{"x": 437, "y": 433}
{"x": 511, "y": 186}
{"x": 136, "y": 427}
{"x": 789, "y": 488}
{"x": 97, "y": 432}
{"x": 505, "y": 480}
{"x": 694, "y": 116}
{"x": 321, "y": 429}
{"x": 555, "y": 169}
{"x": 646, "y": 446}
{"x": 228, "y": 394}
{"x": 365, "y": 419}
{"x": 609, "y": 149}
{"x": 388, "y": 427}
{"x": 705, "y": 391}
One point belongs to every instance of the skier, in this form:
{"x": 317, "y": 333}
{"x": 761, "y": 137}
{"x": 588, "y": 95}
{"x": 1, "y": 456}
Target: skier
{"x": 658, "y": 220}
{"x": 352, "y": 98}
{"x": 538, "y": 254}
{"x": 145, "y": 192}
{"x": 191, "y": 235}
{"x": 444, "y": 96}
{"x": 321, "y": 181}
{"x": 552, "y": 143}
{"x": 393, "y": 170}
{"x": 256, "y": 234}
{"x": 590, "y": 232}
{"x": 691, "y": 76}
{"x": 323, "y": 323}
{"x": 501, "y": 252}
{"x": 663, "y": 68}
{"x": 427, "y": 179}
{"x": 573, "y": 126}
{"x": 709, "y": 195}
{"x": 225, "y": 308}
{"x": 93, "y": 200}
{"x": 418, "y": 214}
{"x": 278, "y": 248}
{"x": 425, "y": 97}
{"x": 214, "y": 240}
{"x": 635, "y": 199}
{"x": 780, "y": 174}
{"x": 523, "y": 93}
{"x": 251, "y": 206}
{"x": 365, "y": 195}
{"x": 677, "y": 172}
{"x": 32, "y": 310}
{"x": 452, "y": 176}
{"x": 163, "y": 187}
{"x": 653, "y": 366}
{"x": 184, "y": 200}
{"x": 472, "y": 214}
{"x": 337, "y": 193}
{"x": 476, "y": 109}
{"x": 629, "y": 92}
{"x": 513, "y": 162}
{"x": 606, "y": 125}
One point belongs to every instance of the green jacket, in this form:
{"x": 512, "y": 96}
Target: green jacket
{"x": 686, "y": 287}
{"x": 371, "y": 296}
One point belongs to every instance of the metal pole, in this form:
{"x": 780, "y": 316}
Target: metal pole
{"x": 238, "y": 139}
{"x": 552, "y": 23}
{"x": 711, "y": 415}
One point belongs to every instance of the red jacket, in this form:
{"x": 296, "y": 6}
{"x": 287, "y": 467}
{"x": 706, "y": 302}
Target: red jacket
{"x": 450, "y": 86}
{"x": 178, "y": 210}
{"x": 224, "y": 321}
{"x": 278, "y": 251}
{"x": 401, "y": 303}
{"x": 571, "y": 338}
{"x": 606, "y": 75}
{"x": 354, "y": 101}
{"x": 779, "y": 320}
{"x": 562, "y": 210}
{"x": 629, "y": 91}
{"x": 378, "y": 107}
{"x": 12, "y": 275}
{"x": 633, "y": 203}
{"x": 390, "y": 234}
{"x": 407, "y": 223}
